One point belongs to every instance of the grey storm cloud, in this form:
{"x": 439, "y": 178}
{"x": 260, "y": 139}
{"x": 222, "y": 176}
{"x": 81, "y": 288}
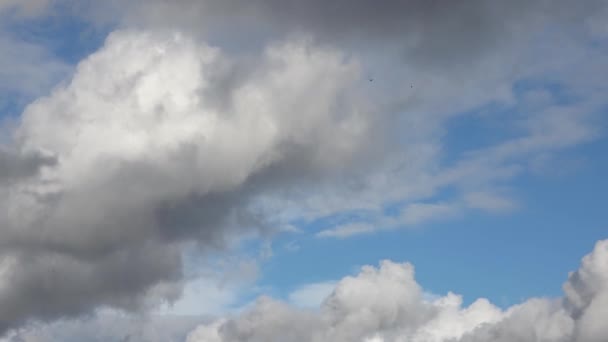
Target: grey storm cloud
{"x": 428, "y": 34}
{"x": 15, "y": 164}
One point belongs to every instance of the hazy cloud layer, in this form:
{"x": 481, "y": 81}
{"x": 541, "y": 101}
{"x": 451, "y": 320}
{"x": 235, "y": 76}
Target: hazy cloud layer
{"x": 427, "y": 33}
{"x": 110, "y": 327}
{"x": 386, "y": 304}
{"x": 23, "y": 7}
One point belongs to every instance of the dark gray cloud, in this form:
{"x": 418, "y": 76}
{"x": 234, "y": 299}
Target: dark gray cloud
{"x": 435, "y": 34}
{"x": 49, "y": 286}
{"x": 15, "y": 164}
{"x": 112, "y": 327}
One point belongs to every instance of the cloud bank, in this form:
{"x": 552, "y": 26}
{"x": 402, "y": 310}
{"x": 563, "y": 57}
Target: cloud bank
{"x": 386, "y": 304}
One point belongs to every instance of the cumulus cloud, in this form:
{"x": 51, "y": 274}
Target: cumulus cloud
{"x": 386, "y": 304}
{"x": 148, "y": 156}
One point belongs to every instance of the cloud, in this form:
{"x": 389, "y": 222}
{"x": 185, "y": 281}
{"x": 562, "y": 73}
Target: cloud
{"x": 382, "y": 303}
{"x": 428, "y": 34}
{"x": 111, "y": 327}
{"x": 162, "y": 138}
{"x": 419, "y": 212}
{"x": 149, "y": 156}
{"x": 411, "y": 215}
{"x": 386, "y": 304}
{"x": 347, "y": 230}
{"x": 16, "y": 164}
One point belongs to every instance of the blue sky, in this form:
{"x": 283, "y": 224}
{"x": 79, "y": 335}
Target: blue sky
{"x": 225, "y": 168}
{"x": 478, "y": 254}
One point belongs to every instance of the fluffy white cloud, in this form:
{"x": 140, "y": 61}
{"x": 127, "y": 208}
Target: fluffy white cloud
{"x": 386, "y": 304}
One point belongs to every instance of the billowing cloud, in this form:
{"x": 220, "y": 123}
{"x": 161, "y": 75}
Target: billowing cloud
{"x": 386, "y": 304}
{"x": 150, "y": 152}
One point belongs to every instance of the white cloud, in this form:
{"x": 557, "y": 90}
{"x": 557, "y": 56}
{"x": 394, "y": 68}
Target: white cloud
{"x": 386, "y": 304}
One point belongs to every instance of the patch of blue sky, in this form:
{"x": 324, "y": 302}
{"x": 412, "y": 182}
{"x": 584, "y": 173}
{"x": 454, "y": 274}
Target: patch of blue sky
{"x": 63, "y": 38}
{"x": 69, "y": 37}
{"x": 505, "y": 258}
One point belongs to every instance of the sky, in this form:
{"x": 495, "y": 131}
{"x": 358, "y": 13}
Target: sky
{"x": 337, "y": 170}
